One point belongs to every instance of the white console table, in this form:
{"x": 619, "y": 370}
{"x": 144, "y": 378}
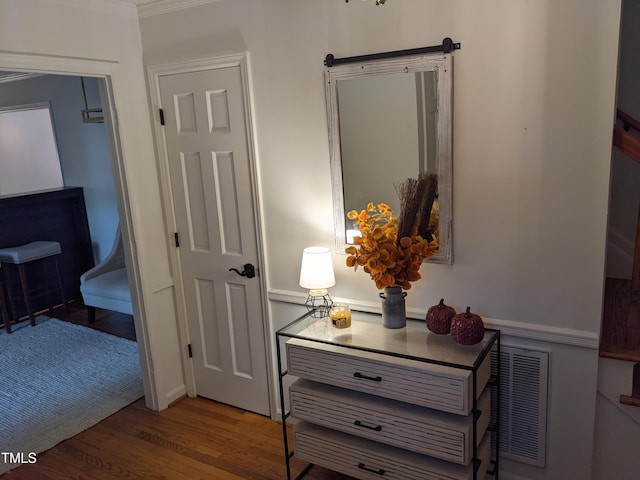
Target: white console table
{"x": 372, "y": 402}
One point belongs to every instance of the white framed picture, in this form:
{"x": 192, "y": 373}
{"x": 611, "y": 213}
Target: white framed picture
{"x": 29, "y": 159}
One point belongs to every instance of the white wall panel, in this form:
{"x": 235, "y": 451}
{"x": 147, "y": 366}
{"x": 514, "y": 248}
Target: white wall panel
{"x": 534, "y": 99}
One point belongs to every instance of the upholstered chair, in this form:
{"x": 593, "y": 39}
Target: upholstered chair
{"x": 106, "y": 285}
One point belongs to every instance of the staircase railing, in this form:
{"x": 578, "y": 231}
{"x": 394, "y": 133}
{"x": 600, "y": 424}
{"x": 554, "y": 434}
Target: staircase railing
{"x": 629, "y": 144}
{"x": 623, "y": 138}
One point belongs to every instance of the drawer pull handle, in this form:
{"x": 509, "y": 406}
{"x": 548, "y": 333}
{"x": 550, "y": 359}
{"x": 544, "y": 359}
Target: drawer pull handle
{"x": 362, "y": 466}
{"x": 358, "y": 423}
{"x": 359, "y": 375}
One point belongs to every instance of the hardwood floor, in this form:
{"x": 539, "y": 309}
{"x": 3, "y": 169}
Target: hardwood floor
{"x": 107, "y": 321}
{"x": 115, "y": 323}
{"x": 195, "y": 438}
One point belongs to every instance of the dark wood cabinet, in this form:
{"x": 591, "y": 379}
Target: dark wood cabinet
{"x": 53, "y": 215}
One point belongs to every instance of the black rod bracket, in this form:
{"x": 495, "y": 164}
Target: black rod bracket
{"x": 447, "y": 46}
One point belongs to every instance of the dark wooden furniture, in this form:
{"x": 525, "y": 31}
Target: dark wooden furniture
{"x": 52, "y": 215}
{"x": 3, "y": 310}
{"x": 21, "y": 258}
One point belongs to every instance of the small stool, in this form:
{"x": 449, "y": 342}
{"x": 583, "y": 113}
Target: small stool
{"x": 24, "y": 254}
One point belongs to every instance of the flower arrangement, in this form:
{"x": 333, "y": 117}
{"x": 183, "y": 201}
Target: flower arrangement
{"x": 391, "y": 249}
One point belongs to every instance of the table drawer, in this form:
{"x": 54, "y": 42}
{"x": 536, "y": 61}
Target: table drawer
{"x": 421, "y": 430}
{"x": 429, "y": 385}
{"x": 365, "y": 459}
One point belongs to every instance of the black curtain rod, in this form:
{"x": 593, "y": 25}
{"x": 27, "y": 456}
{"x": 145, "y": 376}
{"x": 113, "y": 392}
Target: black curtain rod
{"x": 447, "y": 46}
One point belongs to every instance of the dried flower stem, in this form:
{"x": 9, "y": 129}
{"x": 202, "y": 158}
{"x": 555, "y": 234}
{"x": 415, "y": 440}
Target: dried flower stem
{"x": 416, "y": 201}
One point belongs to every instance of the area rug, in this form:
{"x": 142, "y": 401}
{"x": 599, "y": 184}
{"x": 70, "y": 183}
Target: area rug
{"x": 58, "y": 379}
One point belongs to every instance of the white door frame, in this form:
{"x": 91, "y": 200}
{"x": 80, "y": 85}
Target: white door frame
{"x": 106, "y": 70}
{"x": 154, "y": 72}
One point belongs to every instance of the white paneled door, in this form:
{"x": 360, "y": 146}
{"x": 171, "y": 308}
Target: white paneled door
{"x": 211, "y": 182}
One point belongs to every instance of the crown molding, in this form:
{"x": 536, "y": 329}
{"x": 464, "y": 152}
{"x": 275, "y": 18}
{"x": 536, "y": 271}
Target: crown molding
{"x": 135, "y": 8}
{"x": 119, "y": 7}
{"x": 160, "y": 7}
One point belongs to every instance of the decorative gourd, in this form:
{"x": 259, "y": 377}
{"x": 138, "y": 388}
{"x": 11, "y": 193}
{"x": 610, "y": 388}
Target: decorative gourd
{"x": 439, "y": 317}
{"x": 467, "y": 328}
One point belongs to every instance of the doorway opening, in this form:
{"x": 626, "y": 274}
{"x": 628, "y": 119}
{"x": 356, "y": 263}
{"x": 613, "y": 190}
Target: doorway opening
{"x": 109, "y": 206}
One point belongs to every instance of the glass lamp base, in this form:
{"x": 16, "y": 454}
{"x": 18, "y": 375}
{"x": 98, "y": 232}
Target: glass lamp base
{"x": 318, "y": 303}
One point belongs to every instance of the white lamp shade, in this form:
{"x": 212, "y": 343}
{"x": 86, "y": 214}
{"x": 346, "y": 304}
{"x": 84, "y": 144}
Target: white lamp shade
{"x": 316, "y": 271}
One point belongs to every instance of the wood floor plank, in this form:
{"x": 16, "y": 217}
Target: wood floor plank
{"x": 27, "y": 473}
{"x": 147, "y": 445}
{"x": 184, "y": 435}
{"x": 133, "y": 456}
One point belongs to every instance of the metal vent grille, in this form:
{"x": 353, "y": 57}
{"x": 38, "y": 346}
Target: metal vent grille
{"x": 523, "y": 404}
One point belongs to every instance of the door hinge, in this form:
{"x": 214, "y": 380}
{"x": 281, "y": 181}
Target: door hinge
{"x": 161, "y": 116}
{"x": 176, "y": 239}
{"x": 190, "y": 351}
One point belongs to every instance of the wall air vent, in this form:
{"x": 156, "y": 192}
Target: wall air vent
{"x": 523, "y": 404}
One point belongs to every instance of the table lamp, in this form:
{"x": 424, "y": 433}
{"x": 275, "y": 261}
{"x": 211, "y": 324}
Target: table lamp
{"x": 316, "y": 274}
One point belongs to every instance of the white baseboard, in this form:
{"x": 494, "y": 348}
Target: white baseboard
{"x": 176, "y": 393}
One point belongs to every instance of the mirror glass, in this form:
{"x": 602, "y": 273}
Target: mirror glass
{"x": 389, "y": 120}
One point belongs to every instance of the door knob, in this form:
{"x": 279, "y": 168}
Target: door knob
{"x": 249, "y": 271}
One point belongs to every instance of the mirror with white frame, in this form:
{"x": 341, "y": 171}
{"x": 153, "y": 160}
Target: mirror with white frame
{"x": 389, "y": 119}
